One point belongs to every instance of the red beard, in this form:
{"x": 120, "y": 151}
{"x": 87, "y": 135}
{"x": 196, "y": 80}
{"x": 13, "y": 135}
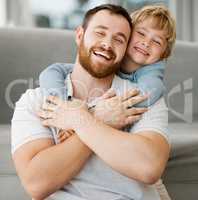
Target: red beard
{"x": 97, "y": 70}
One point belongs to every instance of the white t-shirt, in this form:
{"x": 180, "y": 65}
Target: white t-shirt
{"x": 111, "y": 185}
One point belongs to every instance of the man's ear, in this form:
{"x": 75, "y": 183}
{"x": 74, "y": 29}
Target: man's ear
{"x": 79, "y": 34}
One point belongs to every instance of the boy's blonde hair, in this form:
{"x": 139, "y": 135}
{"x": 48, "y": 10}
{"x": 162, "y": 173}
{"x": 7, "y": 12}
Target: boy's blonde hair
{"x": 163, "y": 20}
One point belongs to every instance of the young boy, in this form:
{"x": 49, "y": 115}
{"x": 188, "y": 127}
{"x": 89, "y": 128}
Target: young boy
{"x": 153, "y": 36}
{"x": 152, "y": 40}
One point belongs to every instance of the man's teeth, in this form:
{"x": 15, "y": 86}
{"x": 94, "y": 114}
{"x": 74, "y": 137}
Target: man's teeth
{"x": 102, "y": 54}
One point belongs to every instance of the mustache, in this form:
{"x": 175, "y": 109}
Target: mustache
{"x": 110, "y": 52}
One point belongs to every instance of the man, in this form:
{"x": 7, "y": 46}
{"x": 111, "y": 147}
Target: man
{"x": 122, "y": 165}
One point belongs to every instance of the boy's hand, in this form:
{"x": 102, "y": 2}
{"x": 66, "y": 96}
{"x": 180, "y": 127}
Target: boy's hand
{"x": 63, "y": 135}
{"x": 118, "y": 111}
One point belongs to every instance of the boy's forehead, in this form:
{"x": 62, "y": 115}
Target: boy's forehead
{"x": 151, "y": 22}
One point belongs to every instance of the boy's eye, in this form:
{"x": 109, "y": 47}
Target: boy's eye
{"x": 140, "y": 33}
{"x": 157, "y": 42}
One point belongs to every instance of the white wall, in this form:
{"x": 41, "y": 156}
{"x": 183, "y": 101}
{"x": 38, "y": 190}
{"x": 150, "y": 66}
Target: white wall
{"x": 186, "y": 18}
{"x": 195, "y": 20}
{"x": 2, "y": 12}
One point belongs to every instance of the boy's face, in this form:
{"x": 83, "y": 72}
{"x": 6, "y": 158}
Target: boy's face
{"x": 147, "y": 44}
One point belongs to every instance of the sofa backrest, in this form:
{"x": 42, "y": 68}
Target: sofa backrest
{"x": 181, "y": 79}
{"x": 24, "y": 53}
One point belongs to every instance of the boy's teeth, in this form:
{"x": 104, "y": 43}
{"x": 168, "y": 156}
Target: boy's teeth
{"x": 142, "y": 51}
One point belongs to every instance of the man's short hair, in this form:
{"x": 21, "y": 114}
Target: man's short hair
{"x": 113, "y": 9}
{"x": 163, "y": 20}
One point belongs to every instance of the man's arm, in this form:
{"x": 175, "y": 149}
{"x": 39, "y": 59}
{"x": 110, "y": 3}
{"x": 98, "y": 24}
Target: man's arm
{"x": 42, "y": 166}
{"x": 141, "y": 156}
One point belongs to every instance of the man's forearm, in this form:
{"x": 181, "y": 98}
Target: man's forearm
{"x": 53, "y": 167}
{"x": 135, "y": 156}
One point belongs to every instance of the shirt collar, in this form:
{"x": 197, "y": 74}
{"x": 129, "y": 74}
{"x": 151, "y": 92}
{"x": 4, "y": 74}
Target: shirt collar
{"x": 70, "y": 92}
{"x": 69, "y": 86}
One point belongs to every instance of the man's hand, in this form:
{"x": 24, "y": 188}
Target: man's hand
{"x": 63, "y": 114}
{"x": 118, "y": 111}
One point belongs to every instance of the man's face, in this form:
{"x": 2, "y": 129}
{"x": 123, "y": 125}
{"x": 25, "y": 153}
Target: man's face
{"x": 147, "y": 44}
{"x": 103, "y": 43}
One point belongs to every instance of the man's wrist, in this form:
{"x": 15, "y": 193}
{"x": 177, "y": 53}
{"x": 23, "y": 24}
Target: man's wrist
{"x": 84, "y": 119}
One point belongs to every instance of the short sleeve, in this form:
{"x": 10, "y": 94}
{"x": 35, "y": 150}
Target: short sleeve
{"x": 26, "y": 125}
{"x": 155, "y": 119}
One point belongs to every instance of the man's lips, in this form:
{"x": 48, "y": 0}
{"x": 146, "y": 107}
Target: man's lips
{"x": 142, "y": 51}
{"x": 107, "y": 55}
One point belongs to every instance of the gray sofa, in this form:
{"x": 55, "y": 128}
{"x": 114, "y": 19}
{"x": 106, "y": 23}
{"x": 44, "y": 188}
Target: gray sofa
{"x": 25, "y": 52}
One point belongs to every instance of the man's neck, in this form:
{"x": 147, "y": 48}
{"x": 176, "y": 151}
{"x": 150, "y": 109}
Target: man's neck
{"x": 85, "y": 86}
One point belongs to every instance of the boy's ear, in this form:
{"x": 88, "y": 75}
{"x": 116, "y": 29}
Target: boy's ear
{"x": 79, "y": 34}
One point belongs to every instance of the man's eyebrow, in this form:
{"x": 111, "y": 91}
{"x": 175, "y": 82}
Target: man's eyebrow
{"x": 106, "y": 28}
{"x": 102, "y": 27}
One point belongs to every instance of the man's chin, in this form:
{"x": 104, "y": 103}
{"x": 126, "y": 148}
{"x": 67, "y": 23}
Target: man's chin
{"x": 99, "y": 75}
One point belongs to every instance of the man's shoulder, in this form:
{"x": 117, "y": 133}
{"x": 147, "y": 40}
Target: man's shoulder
{"x": 26, "y": 126}
{"x": 121, "y": 85}
{"x": 31, "y": 97}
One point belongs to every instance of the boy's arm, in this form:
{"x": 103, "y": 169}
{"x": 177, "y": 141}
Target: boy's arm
{"x": 52, "y": 79}
{"x": 150, "y": 84}
{"x": 149, "y": 80}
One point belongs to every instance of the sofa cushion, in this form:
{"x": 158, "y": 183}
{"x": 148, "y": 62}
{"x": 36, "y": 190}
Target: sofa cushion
{"x": 181, "y": 174}
{"x": 10, "y": 185}
{"x": 184, "y": 138}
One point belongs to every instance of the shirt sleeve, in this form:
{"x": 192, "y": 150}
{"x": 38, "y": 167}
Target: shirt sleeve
{"x": 149, "y": 80}
{"x": 26, "y": 125}
{"x": 155, "y": 119}
{"x": 52, "y": 79}
{"x": 153, "y": 85}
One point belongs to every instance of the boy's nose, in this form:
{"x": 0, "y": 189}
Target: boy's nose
{"x": 145, "y": 43}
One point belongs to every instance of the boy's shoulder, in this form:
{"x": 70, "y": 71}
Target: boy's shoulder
{"x": 155, "y": 69}
{"x": 154, "y": 66}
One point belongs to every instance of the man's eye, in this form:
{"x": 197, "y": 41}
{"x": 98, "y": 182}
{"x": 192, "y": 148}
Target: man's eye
{"x": 100, "y": 33}
{"x": 118, "y": 40}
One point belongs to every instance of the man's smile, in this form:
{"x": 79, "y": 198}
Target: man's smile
{"x": 103, "y": 54}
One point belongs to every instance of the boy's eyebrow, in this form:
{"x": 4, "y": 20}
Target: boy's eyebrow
{"x": 118, "y": 33}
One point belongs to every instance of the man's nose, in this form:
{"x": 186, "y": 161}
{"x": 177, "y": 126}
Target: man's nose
{"x": 107, "y": 43}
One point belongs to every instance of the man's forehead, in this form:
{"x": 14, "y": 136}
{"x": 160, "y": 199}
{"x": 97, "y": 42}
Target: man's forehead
{"x": 109, "y": 20}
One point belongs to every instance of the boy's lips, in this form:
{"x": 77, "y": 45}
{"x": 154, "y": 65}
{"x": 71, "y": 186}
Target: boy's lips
{"x": 142, "y": 51}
